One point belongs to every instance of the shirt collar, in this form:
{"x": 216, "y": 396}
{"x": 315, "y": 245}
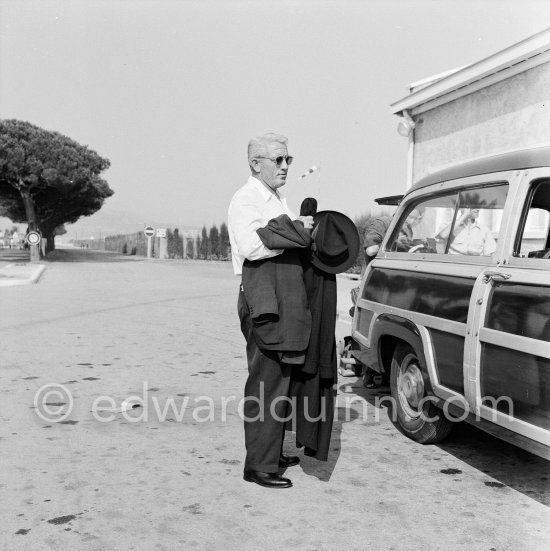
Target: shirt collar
{"x": 266, "y": 194}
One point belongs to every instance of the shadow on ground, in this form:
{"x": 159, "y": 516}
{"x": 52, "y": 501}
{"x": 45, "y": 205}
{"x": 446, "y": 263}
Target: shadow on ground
{"x": 504, "y": 464}
{"x": 509, "y": 465}
{"x": 322, "y": 470}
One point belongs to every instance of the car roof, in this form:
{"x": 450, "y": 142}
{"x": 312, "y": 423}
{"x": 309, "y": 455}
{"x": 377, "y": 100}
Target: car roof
{"x": 514, "y": 160}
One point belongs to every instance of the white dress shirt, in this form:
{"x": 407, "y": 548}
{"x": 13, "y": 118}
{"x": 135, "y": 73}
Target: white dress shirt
{"x": 252, "y": 207}
{"x": 474, "y": 240}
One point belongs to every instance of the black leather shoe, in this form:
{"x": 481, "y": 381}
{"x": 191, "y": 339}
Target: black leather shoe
{"x": 268, "y": 480}
{"x": 286, "y": 461}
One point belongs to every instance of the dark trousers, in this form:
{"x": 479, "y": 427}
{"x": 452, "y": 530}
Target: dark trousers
{"x": 265, "y": 406}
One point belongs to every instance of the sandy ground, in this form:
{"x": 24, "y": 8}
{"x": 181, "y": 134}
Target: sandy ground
{"x": 107, "y": 327}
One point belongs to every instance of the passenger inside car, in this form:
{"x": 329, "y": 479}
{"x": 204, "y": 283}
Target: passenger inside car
{"x": 469, "y": 236}
{"x": 405, "y": 240}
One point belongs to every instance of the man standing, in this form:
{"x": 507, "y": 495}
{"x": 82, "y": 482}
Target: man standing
{"x": 252, "y": 208}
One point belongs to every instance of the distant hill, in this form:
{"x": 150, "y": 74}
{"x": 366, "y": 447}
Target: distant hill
{"x": 106, "y": 222}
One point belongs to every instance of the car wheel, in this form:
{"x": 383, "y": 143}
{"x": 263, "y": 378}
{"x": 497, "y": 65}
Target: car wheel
{"x": 414, "y": 415}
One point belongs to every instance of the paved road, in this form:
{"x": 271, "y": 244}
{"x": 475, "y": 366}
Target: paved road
{"x": 104, "y": 325}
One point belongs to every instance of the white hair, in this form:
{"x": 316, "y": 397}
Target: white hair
{"x": 258, "y": 146}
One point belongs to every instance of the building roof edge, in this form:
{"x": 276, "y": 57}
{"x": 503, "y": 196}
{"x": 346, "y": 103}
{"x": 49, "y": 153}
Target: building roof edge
{"x": 449, "y": 82}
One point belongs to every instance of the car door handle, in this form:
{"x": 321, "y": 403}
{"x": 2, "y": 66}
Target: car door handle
{"x": 495, "y": 276}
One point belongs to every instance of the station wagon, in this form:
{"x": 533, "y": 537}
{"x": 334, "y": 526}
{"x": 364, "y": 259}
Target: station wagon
{"x": 455, "y": 308}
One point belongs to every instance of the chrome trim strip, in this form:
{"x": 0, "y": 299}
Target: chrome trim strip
{"x": 374, "y": 319}
{"x": 429, "y": 355}
{"x": 527, "y": 345}
{"x": 438, "y": 264}
{"x": 365, "y": 340}
{"x": 439, "y": 390}
{"x": 360, "y": 338}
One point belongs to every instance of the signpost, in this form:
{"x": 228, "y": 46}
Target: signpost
{"x": 162, "y": 243}
{"x": 33, "y": 239}
{"x": 149, "y": 231}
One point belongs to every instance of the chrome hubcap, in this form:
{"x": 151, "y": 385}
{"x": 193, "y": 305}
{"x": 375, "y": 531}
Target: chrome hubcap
{"x": 410, "y": 386}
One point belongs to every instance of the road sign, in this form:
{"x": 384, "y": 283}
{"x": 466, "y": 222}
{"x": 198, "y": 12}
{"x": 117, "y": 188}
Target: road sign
{"x": 149, "y": 231}
{"x": 161, "y": 232}
{"x": 33, "y": 238}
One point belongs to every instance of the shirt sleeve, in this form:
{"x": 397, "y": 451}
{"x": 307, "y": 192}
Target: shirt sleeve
{"x": 245, "y": 219}
{"x": 373, "y": 234}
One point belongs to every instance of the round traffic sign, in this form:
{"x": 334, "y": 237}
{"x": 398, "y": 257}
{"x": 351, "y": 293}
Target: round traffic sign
{"x": 33, "y": 238}
{"x": 149, "y": 231}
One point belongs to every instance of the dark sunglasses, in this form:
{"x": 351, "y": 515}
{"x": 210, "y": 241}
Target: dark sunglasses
{"x": 279, "y": 160}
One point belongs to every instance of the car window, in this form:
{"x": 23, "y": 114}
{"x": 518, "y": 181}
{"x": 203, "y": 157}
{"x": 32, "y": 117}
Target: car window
{"x": 465, "y": 222}
{"x": 477, "y": 222}
{"x": 534, "y": 233}
{"x": 421, "y": 223}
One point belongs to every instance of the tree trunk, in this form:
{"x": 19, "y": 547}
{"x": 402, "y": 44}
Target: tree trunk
{"x": 30, "y": 211}
{"x": 49, "y": 235}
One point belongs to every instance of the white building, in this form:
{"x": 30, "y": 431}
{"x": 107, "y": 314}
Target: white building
{"x": 498, "y": 104}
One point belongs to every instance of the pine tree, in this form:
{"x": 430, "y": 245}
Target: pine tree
{"x": 178, "y": 244}
{"x": 224, "y": 241}
{"x": 214, "y": 237}
{"x": 204, "y": 244}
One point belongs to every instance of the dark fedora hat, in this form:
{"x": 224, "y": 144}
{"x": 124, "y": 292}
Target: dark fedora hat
{"x": 335, "y": 242}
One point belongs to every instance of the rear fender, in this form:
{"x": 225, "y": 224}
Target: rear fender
{"x": 388, "y": 331}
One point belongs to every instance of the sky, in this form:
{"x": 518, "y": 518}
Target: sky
{"x": 171, "y": 91}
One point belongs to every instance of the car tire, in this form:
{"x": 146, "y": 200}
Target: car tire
{"x": 414, "y": 414}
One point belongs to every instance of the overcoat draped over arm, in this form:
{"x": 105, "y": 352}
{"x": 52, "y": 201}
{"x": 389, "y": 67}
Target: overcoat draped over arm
{"x": 274, "y": 289}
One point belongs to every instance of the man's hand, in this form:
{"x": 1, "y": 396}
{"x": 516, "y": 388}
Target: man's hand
{"x": 307, "y": 221}
{"x": 404, "y": 244}
{"x": 372, "y": 250}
